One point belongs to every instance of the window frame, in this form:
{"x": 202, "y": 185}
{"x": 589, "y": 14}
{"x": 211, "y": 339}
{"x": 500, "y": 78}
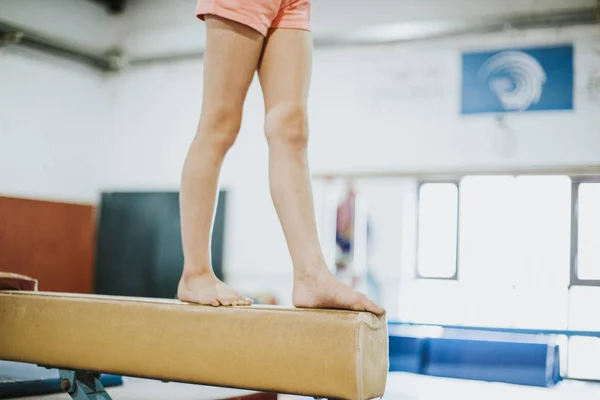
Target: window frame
{"x": 574, "y": 278}
{"x": 416, "y": 273}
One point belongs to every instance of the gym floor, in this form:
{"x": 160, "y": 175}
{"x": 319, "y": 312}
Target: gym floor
{"x": 404, "y": 386}
{"x": 401, "y": 386}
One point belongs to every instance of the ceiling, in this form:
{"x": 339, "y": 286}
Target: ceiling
{"x": 109, "y": 33}
{"x": 112, "y": 6}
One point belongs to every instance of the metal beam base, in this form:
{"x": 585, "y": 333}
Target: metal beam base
{"x": 82, "y": 385}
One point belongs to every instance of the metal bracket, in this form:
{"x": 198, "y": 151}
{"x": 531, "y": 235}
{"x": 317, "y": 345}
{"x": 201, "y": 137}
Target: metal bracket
{"x": 8, "y": 38}
{"x": 82, "y": 385}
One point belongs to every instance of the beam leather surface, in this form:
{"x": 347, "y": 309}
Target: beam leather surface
{"x": 323, "y": 353}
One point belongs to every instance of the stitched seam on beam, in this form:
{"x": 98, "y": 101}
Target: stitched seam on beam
{"x": 359, "y": 360}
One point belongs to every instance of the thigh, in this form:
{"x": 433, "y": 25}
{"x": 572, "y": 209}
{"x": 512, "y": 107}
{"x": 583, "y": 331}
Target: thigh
{"x": 231, "y": 58}
{"x": 285, "y": 68}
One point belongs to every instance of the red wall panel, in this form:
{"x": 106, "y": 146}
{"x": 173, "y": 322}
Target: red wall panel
{"x": 53, "y": 242}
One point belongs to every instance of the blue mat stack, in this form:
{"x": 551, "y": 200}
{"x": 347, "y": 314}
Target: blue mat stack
{"x": 406, "y": 353}
{"x": 521, "y": 359}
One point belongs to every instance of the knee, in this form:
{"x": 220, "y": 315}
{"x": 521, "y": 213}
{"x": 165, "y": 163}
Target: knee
{"x": 287, "y": 126}
{"x": 219, "y": 127}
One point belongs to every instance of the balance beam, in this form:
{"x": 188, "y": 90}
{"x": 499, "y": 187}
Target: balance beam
{"x": 319, "y": 353}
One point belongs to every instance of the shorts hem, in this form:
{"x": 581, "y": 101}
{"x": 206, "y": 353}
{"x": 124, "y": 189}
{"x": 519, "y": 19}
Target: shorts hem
{"x": 209, "y": 7}
{"x": 303, "y": 26}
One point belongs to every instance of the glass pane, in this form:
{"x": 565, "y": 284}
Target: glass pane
{"x": 583, "y": 356}
{"x": 542, "y": 242}
{"x": 584, "y": 314}
{"x": 486, "y": 229}
{"x": 539, "y": 307}
{"x": 515, "y": 231}
{"x": 438, "y": 209}
{"x": 588, "y": 257}
{"x": 584, "y": 352}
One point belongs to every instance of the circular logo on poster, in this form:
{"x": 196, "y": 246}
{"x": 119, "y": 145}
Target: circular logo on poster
{"x": 516, "y": 78}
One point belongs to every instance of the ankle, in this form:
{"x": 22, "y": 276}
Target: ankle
{"x": 192, "y": 272}
{"x": 310, "y": 267}
{"x": 310, "y": 273}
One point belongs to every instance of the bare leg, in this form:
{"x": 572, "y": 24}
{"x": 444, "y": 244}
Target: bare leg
{"x": 231, "y": 58}
{"x": 284, "y": 75}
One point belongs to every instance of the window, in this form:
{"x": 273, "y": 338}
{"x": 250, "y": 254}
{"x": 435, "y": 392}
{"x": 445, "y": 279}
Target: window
{"x": 514, "y": 249}
{"x": 505, "y": 230}
{"x": 583, "y": 308}
{"x": 437, "y": 230}
{"x": 541, "y": 251}
{"x": 486, "y": 228}
{"x": 585, "y": 280}
{"x": 588, "y": 232}
{"x": 583, "y": 354}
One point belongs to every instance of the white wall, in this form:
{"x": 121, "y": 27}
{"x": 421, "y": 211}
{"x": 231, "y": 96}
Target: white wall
{"x": 408, "y": 97}
{"x": 382, "y": 108}
{"x": 54, "y": 117}
{"x": 54, "y": 114}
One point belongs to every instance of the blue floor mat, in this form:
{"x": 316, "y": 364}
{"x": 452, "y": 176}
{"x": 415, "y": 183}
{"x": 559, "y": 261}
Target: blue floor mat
{"x": 406, "y": 353}
{"x": 521, "y": 359}
{"x": 19, "y": 380}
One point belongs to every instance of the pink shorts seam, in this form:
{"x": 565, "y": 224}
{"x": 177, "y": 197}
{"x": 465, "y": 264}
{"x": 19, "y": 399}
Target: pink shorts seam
{"x": 283, "y": 24}
{"x": 212, "y": 7}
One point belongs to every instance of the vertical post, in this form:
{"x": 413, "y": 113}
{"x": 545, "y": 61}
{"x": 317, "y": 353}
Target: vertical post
{"x": 328, "y": 219}
{"x": 359, "y": 254}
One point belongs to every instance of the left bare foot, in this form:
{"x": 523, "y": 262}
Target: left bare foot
{"x": 207, "y": 289}
{"x": 323, "y": 290}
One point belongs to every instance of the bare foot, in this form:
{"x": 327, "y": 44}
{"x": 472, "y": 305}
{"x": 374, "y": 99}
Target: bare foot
{"x": 323, "y": 290}
{"x": 207, "y": 289}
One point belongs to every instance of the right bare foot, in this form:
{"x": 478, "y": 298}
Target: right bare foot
{"x": 207, "y": 289}
{"x": 323, "y": 290}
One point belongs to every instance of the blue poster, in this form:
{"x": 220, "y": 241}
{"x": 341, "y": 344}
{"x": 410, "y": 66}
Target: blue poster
{"x": 516, "y": 80}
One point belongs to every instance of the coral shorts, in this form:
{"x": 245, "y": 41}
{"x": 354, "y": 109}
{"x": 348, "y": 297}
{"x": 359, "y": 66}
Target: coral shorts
{"x": 260, "y": 15}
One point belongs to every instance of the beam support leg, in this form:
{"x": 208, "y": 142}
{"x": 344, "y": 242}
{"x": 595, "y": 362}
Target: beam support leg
{"x": 83, "y": 385}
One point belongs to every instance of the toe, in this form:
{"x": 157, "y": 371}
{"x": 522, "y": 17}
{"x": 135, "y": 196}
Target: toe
{"x": 374, "y": 308}
{"x": 246, "y": 301}
{"x": 242, "y": 301}
{"x": 367, "y": 305}
{"x": 224, "y": 302}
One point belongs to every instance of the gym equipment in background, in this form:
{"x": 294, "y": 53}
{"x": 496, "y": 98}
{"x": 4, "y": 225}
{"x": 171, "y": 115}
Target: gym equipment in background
{"x": 139, "y": 251}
